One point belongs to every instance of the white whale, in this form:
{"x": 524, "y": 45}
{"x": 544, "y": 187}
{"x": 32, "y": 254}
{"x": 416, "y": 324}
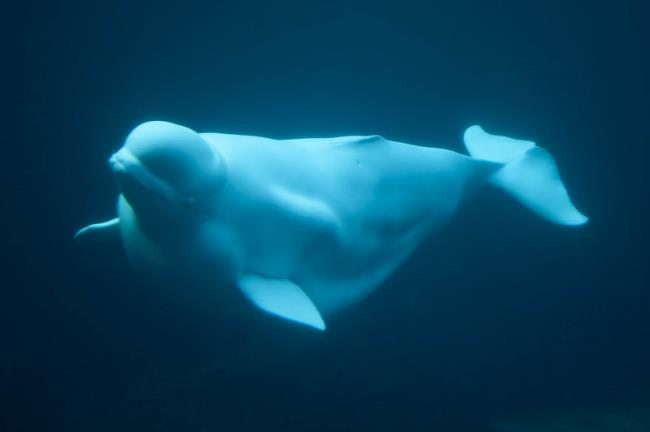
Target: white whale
{"x": 303, "y": 227}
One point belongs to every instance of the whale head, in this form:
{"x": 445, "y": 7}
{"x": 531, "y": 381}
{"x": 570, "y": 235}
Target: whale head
{"x": 167, "y": 172}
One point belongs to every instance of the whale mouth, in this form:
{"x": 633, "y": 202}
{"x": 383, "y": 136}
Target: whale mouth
{"x": 117, "y": 165}
{"x": 130, "y": 173}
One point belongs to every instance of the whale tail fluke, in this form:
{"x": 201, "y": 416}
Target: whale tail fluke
{"x": 529, "y": 173}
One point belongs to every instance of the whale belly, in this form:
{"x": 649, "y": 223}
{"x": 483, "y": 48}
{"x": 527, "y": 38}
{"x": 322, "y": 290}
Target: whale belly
{"x": 337, "y": 218}
{"x": 196, "y": 268}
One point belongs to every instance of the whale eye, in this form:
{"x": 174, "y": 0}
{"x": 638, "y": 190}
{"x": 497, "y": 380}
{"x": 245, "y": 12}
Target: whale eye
{"x": 188, "y": 202}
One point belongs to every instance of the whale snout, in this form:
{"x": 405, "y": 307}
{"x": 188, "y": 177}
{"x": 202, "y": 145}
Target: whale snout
{"x": 116, "y": 164}
{"x": 132, "y": 176}
{"x": 122, "y": 161}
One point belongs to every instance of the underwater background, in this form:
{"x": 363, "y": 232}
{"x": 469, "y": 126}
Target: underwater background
{"x": 501, "y": 322}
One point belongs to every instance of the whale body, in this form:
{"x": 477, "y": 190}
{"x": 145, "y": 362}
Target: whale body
{"x": 302, "y": 228}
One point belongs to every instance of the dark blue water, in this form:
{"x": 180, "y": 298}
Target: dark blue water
{"x": 500, "y": 315}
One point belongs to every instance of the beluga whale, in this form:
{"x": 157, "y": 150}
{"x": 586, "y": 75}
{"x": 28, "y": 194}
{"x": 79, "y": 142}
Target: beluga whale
{"x": 302, "y": 228}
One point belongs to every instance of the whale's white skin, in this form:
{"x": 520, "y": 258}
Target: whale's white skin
{"x": 303, "y": 227}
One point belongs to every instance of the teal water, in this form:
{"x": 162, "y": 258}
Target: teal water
{"x": 498, "y": 318}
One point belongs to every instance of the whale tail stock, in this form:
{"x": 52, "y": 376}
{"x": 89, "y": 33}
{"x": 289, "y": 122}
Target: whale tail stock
{"x": 529, "y": 173}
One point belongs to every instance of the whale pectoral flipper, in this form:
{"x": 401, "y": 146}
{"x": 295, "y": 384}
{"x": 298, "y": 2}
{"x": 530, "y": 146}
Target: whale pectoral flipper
{"x": 110, "y": 227}
{"x": 283, "y": 298}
